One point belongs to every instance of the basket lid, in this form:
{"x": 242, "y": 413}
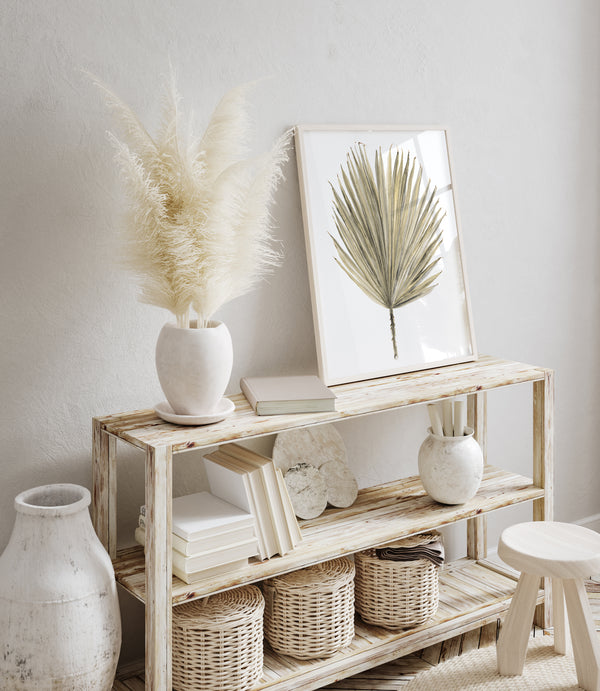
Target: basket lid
{"x": 321, "y": 576}
{"x": 223, "y": 610}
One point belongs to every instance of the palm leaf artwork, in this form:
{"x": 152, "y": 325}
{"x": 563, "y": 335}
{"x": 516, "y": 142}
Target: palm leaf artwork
{"x": 389, "y": 229}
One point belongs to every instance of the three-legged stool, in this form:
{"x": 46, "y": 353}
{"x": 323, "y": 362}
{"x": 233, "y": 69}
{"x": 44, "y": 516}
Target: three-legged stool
{"x": 567, "y": 554}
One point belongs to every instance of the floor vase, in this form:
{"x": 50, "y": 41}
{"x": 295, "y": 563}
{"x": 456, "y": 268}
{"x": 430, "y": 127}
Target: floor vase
{"x": 60, "y": 627}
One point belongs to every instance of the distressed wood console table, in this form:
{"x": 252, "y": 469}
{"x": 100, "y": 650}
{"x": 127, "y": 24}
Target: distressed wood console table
{"x": 473, "y": 591}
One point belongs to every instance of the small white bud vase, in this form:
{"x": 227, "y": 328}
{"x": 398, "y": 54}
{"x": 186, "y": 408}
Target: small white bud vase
{"x": 451, "y": 468}
{"x": 194, "y": 366}
{"x": 60, "y": 626}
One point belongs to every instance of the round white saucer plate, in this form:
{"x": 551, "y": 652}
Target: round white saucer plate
{"x": 224, "y": 409}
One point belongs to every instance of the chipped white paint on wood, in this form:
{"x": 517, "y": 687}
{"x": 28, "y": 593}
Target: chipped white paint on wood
{"x": 379, "y": 515}
{"x": 394, "y": 510}
{"x": 144, "y": 428}
{"x": 60, "y": 628}
{"x": 158, "y": 568}
{"x": 543, "y": 471}
{"x": 477, "y": 421}
{"x": 104, "y": 498}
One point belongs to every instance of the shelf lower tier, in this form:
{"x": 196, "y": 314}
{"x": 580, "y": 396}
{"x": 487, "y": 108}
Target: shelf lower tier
{"x": 472, "y": 594}
{"x": 379, "y": 515}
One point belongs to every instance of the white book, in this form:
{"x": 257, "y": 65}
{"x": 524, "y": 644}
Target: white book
{"x": 234, "y": 484}
{"x": 210, "y": 558}
{"x": 212, "y": 572}
{"x": 209, "y": 573}
{"x": 203, "y": 514}
{"x": 259, "y": 493}
{"x": 217, "y": 539}
{"x": 289, "y": 510}
{"x": 290, "y": 394}
{"x": 216, "y": 557}
{"x": 275, "y": 502}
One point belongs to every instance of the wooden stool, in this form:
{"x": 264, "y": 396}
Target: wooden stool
{"x": 567, "y": 554}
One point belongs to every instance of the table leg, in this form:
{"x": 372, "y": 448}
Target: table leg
{"x": 477, "y": 420}
{"x": 158, "y": 568}
{"x": 104, "y": 487}
{"x": 543, "y": 472}
{"x": 514, "y": 634}
{"x": 562, "y": 642}
{"x": 586, "y": 647}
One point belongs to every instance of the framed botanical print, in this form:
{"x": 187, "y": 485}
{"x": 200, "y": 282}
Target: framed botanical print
{"x": 387, "y": 272}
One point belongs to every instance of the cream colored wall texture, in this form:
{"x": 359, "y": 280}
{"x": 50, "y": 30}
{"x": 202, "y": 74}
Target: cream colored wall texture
{"x": 516, "y": 84}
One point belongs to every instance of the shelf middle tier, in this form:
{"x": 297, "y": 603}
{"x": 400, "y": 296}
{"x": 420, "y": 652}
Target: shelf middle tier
{"x": 380, "y": 514}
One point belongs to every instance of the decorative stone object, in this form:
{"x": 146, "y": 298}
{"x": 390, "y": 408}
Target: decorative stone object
{"x": 60, "y": 627}
{"x": 342, "y": 488}
{"x": 322, "y": 448}
{"x": 314, "y": 445}
{"x": 451, "y": 468}
{"x": 307, "y": 490}
{"x": 194, "y": 367}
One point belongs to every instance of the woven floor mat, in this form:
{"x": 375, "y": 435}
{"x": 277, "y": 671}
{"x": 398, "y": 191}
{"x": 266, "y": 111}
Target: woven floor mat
{"x": 476, "y": 671}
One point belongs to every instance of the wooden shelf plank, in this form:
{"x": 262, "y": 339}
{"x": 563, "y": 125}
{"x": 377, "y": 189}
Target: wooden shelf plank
{"x": 143, "y": 428}
{"x": 380, "y": 514}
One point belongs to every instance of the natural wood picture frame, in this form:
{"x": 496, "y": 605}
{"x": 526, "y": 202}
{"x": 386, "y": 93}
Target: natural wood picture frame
{"x": 387, "y": 272}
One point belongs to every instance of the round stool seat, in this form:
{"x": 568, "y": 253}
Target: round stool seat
{"x": 549, "y": 548}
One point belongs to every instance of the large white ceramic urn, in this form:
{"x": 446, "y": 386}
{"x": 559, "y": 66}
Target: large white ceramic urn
{"x": 194, "y": 366}
{"x": 60, "y": 628}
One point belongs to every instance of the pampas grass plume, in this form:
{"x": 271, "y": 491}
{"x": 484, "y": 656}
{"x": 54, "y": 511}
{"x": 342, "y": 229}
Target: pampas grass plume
{"x": 198, "y": 225}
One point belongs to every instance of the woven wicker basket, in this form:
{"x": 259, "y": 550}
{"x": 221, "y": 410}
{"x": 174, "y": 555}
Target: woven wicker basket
{"x": 310, "y": 613}
{"x": 218, "y": 641}
{"x": 396, "y": 594}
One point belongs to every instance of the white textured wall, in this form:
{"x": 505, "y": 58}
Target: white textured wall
{"x": 516, "y": 83}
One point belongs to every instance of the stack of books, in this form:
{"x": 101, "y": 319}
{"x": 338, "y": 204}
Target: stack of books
{"x": 210, "y": 536}
{"x": 253, "y": 483}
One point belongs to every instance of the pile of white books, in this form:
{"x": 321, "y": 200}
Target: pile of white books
{"x": 210, "y": 536}
{"x": 253, "y": 483}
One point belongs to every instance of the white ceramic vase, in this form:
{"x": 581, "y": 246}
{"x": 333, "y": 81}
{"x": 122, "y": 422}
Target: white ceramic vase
{"x": 194, "y": 366}
{"x": 451, "y": 468}
{"x": 60, "y": 626}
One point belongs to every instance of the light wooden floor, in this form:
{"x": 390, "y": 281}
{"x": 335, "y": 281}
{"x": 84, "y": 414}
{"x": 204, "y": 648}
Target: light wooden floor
{"x": 395, "y": 675}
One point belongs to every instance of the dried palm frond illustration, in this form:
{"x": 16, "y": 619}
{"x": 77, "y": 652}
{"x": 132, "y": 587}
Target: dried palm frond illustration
{"x": 388, "y": 227}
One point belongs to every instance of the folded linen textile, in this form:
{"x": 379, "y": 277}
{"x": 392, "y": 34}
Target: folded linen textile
{"x": 425, "y": 546}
